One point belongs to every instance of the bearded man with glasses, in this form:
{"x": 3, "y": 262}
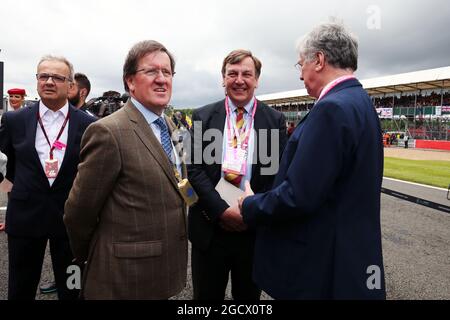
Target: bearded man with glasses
{"x": 42, "y": 143}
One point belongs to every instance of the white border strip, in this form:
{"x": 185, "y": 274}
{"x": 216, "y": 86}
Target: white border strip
{"x": 416, "y": 184}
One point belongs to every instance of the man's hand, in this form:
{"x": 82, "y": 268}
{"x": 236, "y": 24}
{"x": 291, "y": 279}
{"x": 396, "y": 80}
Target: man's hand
{"x": 231, "y": 220}
{"x": 248, "y": 192}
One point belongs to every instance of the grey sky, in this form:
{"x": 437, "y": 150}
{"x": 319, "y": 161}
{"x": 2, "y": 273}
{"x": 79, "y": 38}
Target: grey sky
{"x": 95, "y": 35}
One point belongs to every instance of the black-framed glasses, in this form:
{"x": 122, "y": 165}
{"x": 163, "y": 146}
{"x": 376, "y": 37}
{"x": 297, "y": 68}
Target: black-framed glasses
{"x": 43, "y": 77}
{"x": 154, "y": 72}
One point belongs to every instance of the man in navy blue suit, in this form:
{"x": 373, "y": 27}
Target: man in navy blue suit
{"x": 42, "y": 143}
{"x": 318, "y": 229}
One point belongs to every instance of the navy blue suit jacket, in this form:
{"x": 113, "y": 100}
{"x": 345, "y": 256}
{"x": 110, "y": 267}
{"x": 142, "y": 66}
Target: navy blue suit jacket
{"x": 318, "y": 229}
{"x": 34, "y": 208}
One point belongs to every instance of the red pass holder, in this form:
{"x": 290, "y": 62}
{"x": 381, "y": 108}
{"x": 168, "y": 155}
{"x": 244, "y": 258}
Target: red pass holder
{"x": 235, "y": 161}
{"x": 51, "y": 168}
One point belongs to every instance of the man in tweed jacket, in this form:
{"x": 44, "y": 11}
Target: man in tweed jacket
{"x": 125, "y": 215}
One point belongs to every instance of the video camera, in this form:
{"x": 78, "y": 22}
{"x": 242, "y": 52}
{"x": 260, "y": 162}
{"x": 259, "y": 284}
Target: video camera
{"x": 110, "y": 102}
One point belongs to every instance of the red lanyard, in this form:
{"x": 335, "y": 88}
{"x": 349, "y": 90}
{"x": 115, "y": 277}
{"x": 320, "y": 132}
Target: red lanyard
{"x": 52, "y": 147}
{"x": 248, "y": 131}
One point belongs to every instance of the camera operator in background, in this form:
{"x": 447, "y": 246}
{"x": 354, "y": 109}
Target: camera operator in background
{"x": 79, "y": 92}
{"x": 110, "y": 102}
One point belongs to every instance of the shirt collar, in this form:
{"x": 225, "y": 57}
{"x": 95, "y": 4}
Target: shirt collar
{"x": 149, "y": 116}
{"x": 248, "y": 107}
{"x": 43, "y": 109}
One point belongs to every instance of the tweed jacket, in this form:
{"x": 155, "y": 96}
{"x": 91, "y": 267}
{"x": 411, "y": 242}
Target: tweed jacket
{"x": 125, "y": 215}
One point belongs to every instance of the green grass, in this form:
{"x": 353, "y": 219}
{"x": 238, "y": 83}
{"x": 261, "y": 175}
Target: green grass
{"x": 433, "y": 173}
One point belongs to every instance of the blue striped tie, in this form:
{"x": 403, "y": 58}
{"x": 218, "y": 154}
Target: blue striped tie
{"x": 165, "y": 137}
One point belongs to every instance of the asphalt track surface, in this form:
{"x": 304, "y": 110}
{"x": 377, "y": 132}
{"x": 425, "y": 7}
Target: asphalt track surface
{"x": 416, "y": 242}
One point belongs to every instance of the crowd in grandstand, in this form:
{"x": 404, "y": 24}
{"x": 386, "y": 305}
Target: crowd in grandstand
{"x": 409, "y": 101}
{"x": 406, "y": 101}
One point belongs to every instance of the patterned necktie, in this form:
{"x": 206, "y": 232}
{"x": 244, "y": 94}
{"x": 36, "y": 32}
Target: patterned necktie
{"x": 235, "y": 179}
{"x": 165, "y": 137}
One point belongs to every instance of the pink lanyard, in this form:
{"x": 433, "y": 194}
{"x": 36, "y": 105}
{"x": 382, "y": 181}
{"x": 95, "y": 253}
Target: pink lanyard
{"x": 235, "y": 130}
{"x": 333, "y": 84}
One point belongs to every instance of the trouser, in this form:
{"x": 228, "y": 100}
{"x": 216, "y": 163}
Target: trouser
{"x": 26, "y": 256}
{"x": 229, "y": 252}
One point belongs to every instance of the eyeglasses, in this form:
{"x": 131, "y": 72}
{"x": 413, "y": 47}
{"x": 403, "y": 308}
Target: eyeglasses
{"x": 298, "y": 66}
{"x": 43, "y": 77}
{"x": 153, "y": 73}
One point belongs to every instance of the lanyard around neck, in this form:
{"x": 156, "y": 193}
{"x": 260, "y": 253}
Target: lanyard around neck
{"x": 333, "y": 84}
{"x": 52, "y": 146}
{"x": 235, "y": 130}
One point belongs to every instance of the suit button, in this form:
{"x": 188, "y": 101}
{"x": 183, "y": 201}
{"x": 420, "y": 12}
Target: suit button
{"x": 205, "y": 215}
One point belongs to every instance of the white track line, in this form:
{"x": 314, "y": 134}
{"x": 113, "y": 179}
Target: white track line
{"x": 413, "y": 183}
{"x": 416, "y": 184}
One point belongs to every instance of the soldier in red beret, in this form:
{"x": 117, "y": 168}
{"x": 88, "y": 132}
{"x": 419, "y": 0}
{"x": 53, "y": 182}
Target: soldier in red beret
{"x": 16, "y": 98}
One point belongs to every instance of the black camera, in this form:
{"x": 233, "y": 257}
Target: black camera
{"x": 110, "y": 102}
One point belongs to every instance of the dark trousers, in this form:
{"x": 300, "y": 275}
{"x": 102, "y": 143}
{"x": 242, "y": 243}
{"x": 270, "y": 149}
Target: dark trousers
{"x": 228, "y": 253}
{"x": 26, "y": 256}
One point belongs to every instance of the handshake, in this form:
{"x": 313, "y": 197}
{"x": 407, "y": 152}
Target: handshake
{"x": 231, "y": 219}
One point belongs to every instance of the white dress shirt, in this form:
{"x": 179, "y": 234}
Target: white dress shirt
{"x": 151, "y": 117}
{"x": 52, "y": 122}
{"x": 251, "y": 142}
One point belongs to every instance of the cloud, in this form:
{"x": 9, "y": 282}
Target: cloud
{"x": 95, "y": 35}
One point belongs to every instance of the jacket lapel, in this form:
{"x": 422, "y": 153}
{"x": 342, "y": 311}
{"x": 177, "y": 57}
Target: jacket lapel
{"x": 219, "y": 116}
{"x": 177, "y": 145}
{"x": 259, "y": 123}
{"x": 218, "y": 122}
{"x": 73, "y": 125}
{"x": 31, "y": 127}
{"x": 146, "y": 135}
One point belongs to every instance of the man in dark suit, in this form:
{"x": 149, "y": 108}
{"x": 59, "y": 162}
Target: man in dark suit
{"x": 220, "y": 242}
{"x": 42, "y": 143}
{"x": 319, "y": 234}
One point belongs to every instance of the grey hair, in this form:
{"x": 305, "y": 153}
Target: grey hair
{"x": 339, "y": 46}
{"x": 60, "y": 59}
